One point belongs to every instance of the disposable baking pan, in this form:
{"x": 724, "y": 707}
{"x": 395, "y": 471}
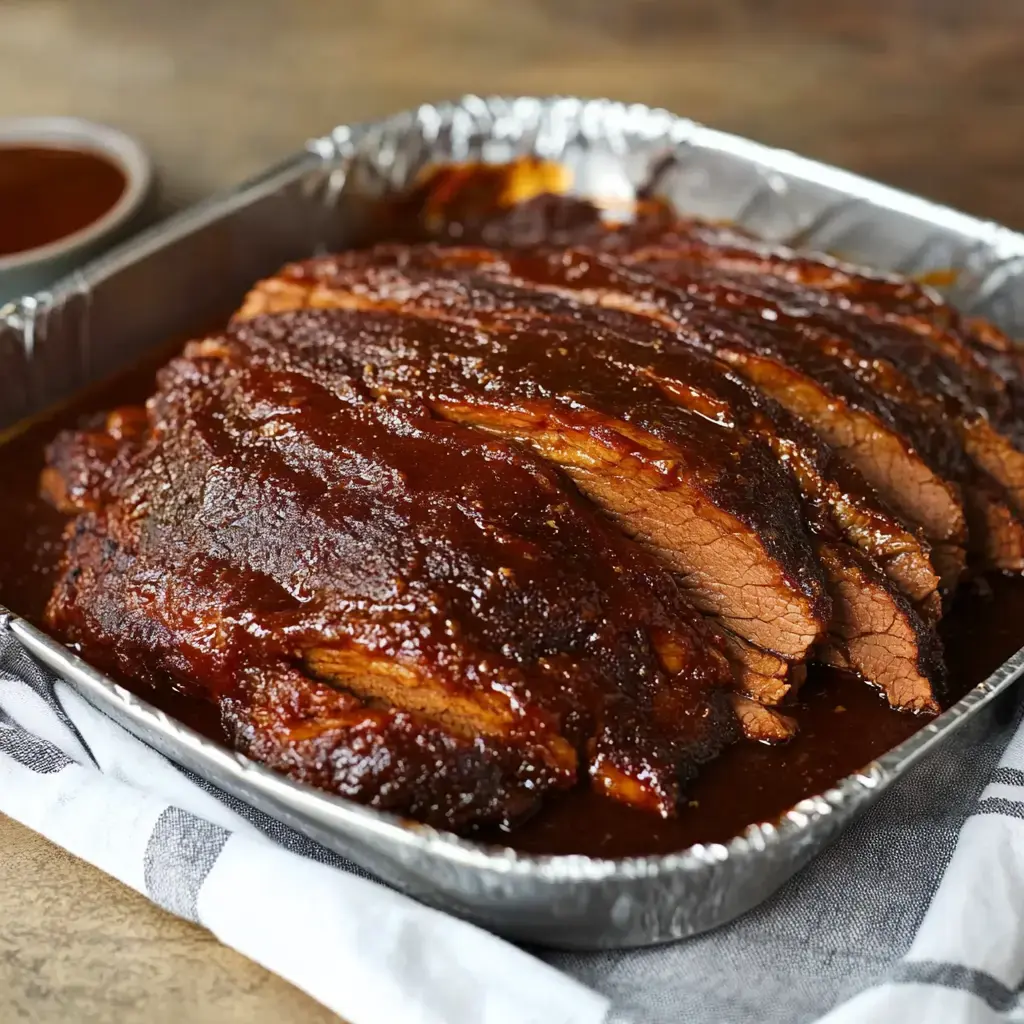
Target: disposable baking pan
{"x": 196, "y": 267}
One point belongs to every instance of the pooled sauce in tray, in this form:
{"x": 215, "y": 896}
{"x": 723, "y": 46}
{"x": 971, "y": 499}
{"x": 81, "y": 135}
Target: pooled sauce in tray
{"x": 843, "y": 722}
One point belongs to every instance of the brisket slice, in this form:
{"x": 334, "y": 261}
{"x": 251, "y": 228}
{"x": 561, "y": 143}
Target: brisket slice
{"x": 692, "y": 489}
{"x": 638, "y": 348}
{"x": 767, "y": 678}
{"x": 401, "y": 609}
{"x": 764, "y": 724}
{"x": 875, "y": 632}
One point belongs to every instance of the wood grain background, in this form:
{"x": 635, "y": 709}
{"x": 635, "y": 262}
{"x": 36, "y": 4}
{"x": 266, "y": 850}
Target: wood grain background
{"x": 924, "y": 94}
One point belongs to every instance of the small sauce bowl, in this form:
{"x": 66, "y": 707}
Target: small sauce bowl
{"x": 44, "y": 241}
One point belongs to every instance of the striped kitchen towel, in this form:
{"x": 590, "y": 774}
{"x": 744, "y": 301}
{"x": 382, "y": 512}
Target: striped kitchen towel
{"x": 915, "y": 914}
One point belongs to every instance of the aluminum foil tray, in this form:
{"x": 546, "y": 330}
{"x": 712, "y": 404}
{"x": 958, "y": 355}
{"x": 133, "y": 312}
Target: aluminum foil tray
{"x": 184, "y": 274}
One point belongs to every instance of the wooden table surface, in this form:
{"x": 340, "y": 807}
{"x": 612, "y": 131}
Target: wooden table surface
{"x": 924, "y": 94}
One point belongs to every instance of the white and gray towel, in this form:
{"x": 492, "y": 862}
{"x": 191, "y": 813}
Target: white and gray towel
{"x": 915, "y": 914}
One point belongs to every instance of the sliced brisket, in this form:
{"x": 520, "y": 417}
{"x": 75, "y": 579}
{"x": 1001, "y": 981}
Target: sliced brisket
{"x": 485, "y": 637}
{"x": 837, "y": 503}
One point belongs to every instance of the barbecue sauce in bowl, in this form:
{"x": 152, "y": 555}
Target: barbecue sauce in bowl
{"x": 48, "y": 194}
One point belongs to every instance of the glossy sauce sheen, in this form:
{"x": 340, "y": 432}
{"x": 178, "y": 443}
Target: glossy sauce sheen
{"x": 47, "y": 194}
{"x": 844, "y": 723}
